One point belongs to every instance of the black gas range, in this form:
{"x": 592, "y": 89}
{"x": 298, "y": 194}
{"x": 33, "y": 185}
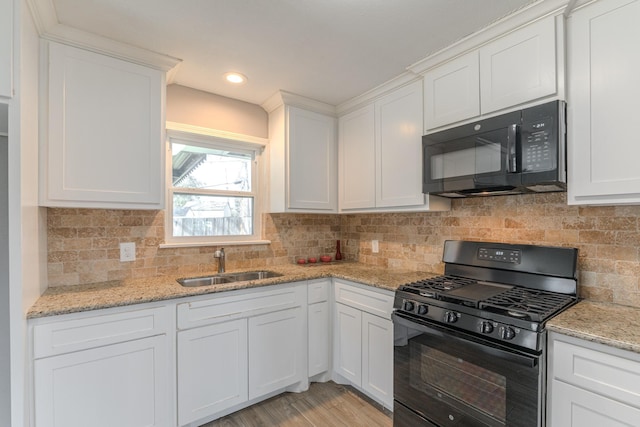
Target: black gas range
{"x": 470, "y": 344}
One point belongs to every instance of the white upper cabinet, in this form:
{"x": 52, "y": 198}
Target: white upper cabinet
{"x": 102, "y": 141}
{"x": 451, "y": 91}
{"x": 303, "y": 161}
{"x": 603, "y": 93}
{"x": 357, "y": 159}
{"x": 399, "y": 148}
{"x": 381, "y": 155}
{"x": 519, "y": 67}
{"x": 6, "y": 48}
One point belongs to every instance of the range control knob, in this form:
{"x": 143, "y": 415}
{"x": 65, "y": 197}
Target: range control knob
{"x": 450, "y": 317}
{"x": 507, "y": 333}
{"x": 423, "y": 309}
{"x": 408, "y": 306}
{"x": 486, "y": 327}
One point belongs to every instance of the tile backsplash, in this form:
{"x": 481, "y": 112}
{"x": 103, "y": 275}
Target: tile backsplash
{"x": 83, "y": 244}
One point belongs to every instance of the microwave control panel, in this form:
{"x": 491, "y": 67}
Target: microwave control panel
{"x": 538, "y": 149}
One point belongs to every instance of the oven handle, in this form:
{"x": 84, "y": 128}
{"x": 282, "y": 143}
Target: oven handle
{"x": 479, "y": 345}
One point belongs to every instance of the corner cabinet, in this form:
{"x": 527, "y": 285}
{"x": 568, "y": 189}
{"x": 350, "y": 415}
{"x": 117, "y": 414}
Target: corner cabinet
{"x": 514, "y": 69}
{"x": 107, "y": 368}
{"x": 603, "y": 93}
{"x": 102, "y": 140}
{"x": 6, "y": 48}
{"x": 591, "y": 384}
{"x": 302, "y": 159}
{"x": 380, "y": 155}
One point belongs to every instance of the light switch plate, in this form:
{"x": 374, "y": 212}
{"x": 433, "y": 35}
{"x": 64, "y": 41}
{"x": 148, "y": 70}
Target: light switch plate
{"x": 127, "y": 251}
{"x": 374, "y": 247}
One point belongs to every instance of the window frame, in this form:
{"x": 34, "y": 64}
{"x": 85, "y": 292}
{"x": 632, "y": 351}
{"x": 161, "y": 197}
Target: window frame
{"x": 214, "y": 139}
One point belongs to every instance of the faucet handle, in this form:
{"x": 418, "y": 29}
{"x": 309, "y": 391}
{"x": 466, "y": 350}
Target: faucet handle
{"x": 219, "y": 253}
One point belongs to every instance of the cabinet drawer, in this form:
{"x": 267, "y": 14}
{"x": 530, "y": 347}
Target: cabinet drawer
{"x": 598, "y": 371}
{"x": 378, "y": 302}
{"x": 235, "y": 305}
{"x": 318, "y": 291}
{"x": 95, "y": 330}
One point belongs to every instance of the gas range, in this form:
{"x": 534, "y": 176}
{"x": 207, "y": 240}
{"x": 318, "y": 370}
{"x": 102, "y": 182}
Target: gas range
{"x": 502, "y": 292}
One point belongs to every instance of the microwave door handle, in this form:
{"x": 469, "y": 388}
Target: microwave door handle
{"x": 512, "y": 134}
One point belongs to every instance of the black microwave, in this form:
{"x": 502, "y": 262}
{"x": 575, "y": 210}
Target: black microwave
{"x": 514, "y": 153}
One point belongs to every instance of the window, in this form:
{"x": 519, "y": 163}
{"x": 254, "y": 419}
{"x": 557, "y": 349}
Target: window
{"x": 212, "y": 190}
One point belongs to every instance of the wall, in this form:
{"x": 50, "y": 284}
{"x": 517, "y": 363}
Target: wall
{"x": 608, "y": 238}
{"x": 198, "y": 108}
{"x": 83, "y": 243}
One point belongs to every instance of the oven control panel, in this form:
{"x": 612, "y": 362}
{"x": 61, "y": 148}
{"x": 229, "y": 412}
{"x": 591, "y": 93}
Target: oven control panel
{"x": 513, "y": 256}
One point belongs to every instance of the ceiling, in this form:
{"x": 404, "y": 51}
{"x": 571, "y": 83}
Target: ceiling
{"x": 327, "y": 50}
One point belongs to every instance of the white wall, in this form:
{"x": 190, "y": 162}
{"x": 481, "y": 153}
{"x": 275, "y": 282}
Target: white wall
{"x": 198, "y": 108}
{"x": 5, "y": 354}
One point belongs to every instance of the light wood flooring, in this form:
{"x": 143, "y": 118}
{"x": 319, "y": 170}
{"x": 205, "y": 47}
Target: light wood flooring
{"x": 323, "y": 405}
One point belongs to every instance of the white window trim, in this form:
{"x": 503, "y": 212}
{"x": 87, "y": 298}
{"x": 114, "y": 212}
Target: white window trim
{"x": 206, "y": 137}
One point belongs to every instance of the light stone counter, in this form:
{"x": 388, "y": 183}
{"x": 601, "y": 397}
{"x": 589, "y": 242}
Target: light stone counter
{"x": 610, "y": 324}
{"x": 71, "y": 299}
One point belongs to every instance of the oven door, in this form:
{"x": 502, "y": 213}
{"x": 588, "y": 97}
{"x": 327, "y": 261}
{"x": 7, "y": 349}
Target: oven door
{"x": 444, "y": 377}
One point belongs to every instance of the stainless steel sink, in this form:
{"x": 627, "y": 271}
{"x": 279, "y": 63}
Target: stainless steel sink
{"x": 219, "y": 279}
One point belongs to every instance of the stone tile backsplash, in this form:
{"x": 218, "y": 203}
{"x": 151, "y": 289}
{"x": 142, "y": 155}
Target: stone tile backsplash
{"x": 83, "y": 244}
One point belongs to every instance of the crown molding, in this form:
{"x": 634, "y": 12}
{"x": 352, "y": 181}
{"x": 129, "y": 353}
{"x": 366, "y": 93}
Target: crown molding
{"x": 287, "y": 98}
{"x": 46, "y": 22}
{"x": 508, "y": 24}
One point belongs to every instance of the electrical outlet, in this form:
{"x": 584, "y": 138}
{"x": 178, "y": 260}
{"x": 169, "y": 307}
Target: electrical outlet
{"x": 127, "y": 251}
{"x": 374, "y": 247}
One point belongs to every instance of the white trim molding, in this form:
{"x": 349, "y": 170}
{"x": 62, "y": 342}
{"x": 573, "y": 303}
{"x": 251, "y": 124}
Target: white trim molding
{"x": 49, "y": 28}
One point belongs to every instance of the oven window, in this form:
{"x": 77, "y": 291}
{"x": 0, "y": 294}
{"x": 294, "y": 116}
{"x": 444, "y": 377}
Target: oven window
{"x": 473, "y": 385}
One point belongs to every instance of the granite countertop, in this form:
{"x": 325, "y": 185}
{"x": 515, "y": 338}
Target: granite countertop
{"x": 610, "y": 324}
{"x": 72, "y": 299}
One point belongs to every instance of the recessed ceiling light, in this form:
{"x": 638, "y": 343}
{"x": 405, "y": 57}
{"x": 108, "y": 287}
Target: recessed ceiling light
{"x": 235, "y": 78}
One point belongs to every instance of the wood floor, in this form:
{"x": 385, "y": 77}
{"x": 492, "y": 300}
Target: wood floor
{"x": 323, "y": 405}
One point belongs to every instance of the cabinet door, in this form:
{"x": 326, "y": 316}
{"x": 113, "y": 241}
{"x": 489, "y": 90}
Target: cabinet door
{"x": 377, "y": 358}
{"x": 312, "y": 155}
{"x": 576, "y": 407}
{"x": 105, "y": 146}
{"x": 357, "y": 159}
{"x": 604, "y": 62}
{"x": 277, "y": 351}
{"x": 319, "y": 335}
{"x": 399, "y": 148}
{"x": 123, "y": 385}
{"x": 347, "y": 343}
{"x": 519, "y": 67}
{"x": 212, "y": 369}
{"x": 6, "y": 48}
{"x": 452, "y": 91}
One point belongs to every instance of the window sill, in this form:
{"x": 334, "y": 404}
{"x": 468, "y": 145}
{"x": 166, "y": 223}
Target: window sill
{"x": 197, "y": 244}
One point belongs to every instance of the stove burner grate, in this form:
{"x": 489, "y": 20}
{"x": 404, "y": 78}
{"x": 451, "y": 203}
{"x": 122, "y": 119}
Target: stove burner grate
{"x": 434, "y": 286}
{"x": 527, "y": 303}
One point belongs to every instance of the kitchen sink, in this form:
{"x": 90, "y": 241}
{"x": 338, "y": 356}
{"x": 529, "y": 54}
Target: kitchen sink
{"x": 219, "y": 279}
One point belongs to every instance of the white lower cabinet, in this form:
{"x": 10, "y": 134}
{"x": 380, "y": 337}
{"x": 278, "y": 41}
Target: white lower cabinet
{"x": 276, "y": 356}
{"x": 235, "y": 348}
{"x": 212, "y": 369}
{"x": 591, "y": 384}
{"x": 101, "y": 370}
{"x": 319, "y": 327}
{"x": 363, "y": 340}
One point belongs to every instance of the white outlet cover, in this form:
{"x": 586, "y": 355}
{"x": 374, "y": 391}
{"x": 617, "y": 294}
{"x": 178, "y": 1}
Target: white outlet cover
{"x": 127, "y": 251}
{"x": 374, "y": 246}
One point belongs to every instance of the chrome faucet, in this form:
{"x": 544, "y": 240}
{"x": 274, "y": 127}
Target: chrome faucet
{"x": 220, "y": 255}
